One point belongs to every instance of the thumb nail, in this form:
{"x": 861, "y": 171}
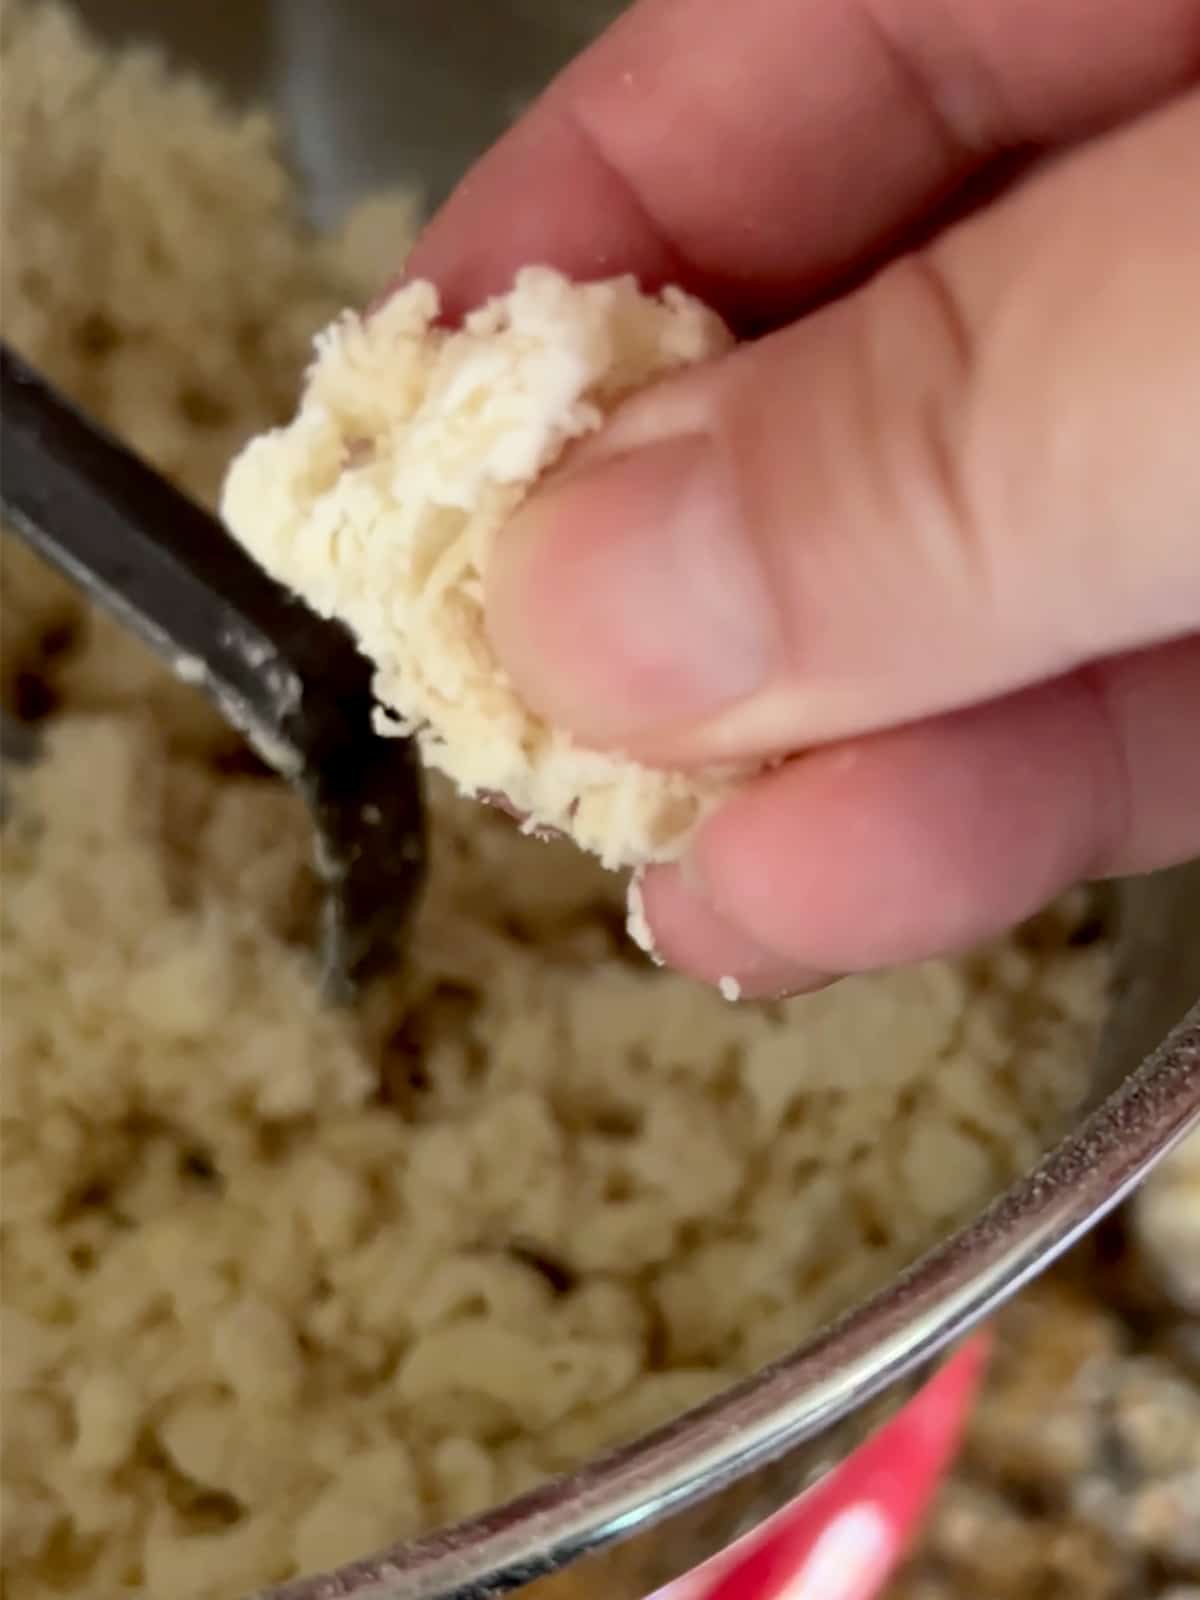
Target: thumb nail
{"x": 628, "y": 596}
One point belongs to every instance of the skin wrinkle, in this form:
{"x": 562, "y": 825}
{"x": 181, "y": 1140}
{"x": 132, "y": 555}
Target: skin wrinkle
{"x": 893, "y": 461}
{"x": 951, "y": 313}
{"x": 935, "y": 93}
{"x": 568, "y": 110}
{"x": 735, "y": 466}
{"x": 745, "y": 433}
{"x": 943, "y": 417}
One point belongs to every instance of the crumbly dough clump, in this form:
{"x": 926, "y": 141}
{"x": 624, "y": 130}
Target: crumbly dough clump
{"x": 382, "y": 501}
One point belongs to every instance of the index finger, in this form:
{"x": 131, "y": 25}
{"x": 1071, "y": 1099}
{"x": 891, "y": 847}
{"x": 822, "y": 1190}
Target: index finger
{"x": 754, "y": 152}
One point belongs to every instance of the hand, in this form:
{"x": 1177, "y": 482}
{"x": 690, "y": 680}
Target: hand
{"x": 936, "y": 540}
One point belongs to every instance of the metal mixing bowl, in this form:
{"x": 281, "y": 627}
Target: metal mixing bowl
{"x": 375, "y": 92}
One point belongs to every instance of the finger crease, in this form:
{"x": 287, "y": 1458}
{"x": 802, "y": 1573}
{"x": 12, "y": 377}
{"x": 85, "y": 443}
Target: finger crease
{"x": 963, "y": 142}
{"x": 943, "y": 415}
{"x": 948, "y": 308}
{"x": 577, "y": 127}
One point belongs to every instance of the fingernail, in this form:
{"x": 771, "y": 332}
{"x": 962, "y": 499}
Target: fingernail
{"x": 629, "y": 596}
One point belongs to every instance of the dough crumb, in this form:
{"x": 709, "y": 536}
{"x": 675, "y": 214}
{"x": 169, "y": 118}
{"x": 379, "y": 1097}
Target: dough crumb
{"x": 636, "y": 924}
{"x": 730, "y": 989}
{"x": 381, "y": 502}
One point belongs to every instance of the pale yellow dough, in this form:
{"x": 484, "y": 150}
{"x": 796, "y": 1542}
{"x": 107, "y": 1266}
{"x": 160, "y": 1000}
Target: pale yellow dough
{"x": 382, "y": 501}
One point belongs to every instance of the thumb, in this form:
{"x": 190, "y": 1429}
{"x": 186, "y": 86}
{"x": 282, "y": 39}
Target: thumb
{"x": 976, "y": 472}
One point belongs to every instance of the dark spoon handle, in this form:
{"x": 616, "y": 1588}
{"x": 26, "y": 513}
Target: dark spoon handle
{"x": 291, "y": 682}
{"x": 166, "y": 569}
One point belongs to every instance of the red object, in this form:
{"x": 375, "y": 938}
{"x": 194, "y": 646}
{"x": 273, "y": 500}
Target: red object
{"x": 845, "y": 1537}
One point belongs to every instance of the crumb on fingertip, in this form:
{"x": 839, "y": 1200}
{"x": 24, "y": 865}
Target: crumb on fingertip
{"x": 636, "y": 924}
{"x": 730, "y": 989}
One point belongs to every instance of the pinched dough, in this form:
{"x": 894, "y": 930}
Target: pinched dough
{"x": 382, "y": 501}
